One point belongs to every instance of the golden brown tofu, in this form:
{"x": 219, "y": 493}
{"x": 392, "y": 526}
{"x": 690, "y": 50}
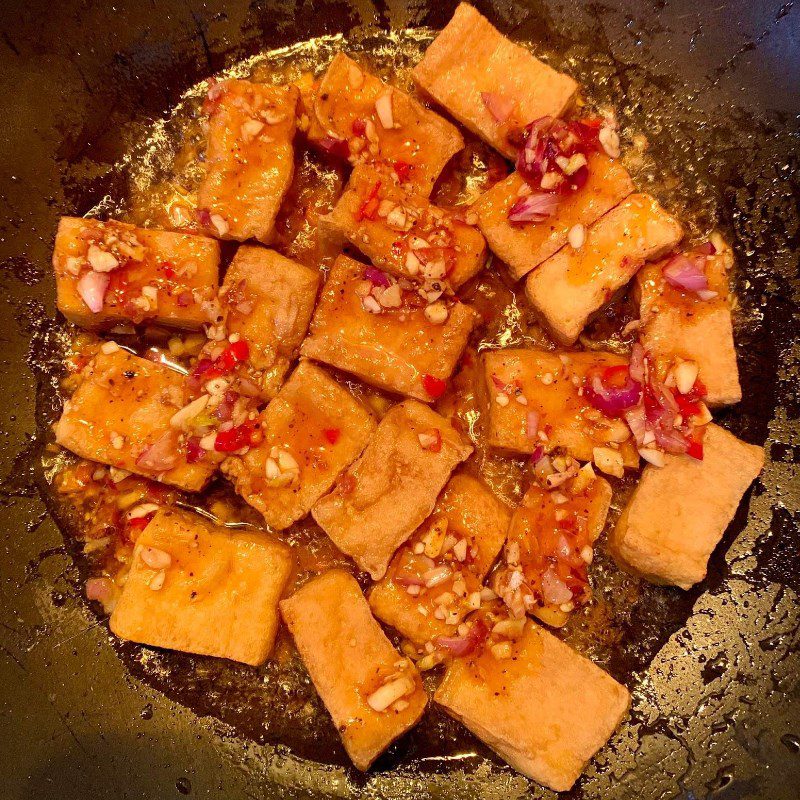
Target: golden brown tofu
{"x": 373, "y": 694}
{"x": 387, "y": 494}
{"x": 546, "y": 710}
{"x": 403, "y": 233}
{"x": 571, "y": 285}
{"x": 534, "y": 399}
{"x": 678, "y": 325}
{"x": 525, "y": 245}
{"x": 313, "y": 429}
{"x": 463, "y": 535}
{"x": 249, "y": 158}
{"x": 120, "y": 415}
{"x": 678, "y": 513}
{"x": 400, "y": 347}
{"x": 200, "y": 588}
{"x": 110, "y": 273}
{"x": 268, "y": 301}
{"x": 489, "y": 84}
{"x": 380, "y": 123}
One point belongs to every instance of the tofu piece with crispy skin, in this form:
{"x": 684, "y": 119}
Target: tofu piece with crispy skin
{"x": 678, "y": 513}
{"x": 550, "y": 384}
{"x": 677, "y": 325}
{"x": 489, "y": 84}
{"x": 546, "y": 710}
{"x": 249, "y": 158}
{"x": 199, "y": 588}
{"x": 120, "y": 415}
{"x": 268, "y": 301}
{"x": 395, "y": 348}
{"x": 312, "y": 430}
{"x": 387, "y": 494}
{"x": 464, "y": 533}
{"x": 111, "y": 273}
{"x": 404, "y": 234}
{"x": 522, "y": 246}
{"x": 570, "y": 286}
{"x": 370, "y": 121}
{"x": 372, "y": 692}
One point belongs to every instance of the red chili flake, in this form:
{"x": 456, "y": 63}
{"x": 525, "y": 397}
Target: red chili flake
{"x": 233, "y": 439}
{"x": 369, "y": 208}
{"x": 232, "y": 355}
{"x": 403, "y": 170}
{"x": 140, "y": 523}
{"x": 332, "y": 434}
{"x": 433, "y": 386}
{"x": 359, "y": 127}
{"x": 695, "y": 449}
{"x": 335, "y": 147}
{"x": 168, "y": 271}
{"x": 194, "y": 452}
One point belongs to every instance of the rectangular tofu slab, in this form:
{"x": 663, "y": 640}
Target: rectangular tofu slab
{"x": 199, "y": 588}
{"x": 551, "y": 385}
{"x": 678, "y": 513}
{"x": 268, "y": 301}
{"x": 387, "y": 494}
{"x": 525, "y": 245}
{"x": 678, "y": 326}
{"x": 373, "y": 694}
{"x": 120, "y": 415}
{"x": 249, "y": 158}
{"x": 371, "y": 122}
{"x": 111, "y": 273}
{"x": 471, "y": 68}
{"x": 464, "y": 534}
{"x": 571, "y": 285}
{"x": 546, "y": 710}
{"x": 402, "y": 233}
{"x": 312, "y": 430}
{"x": 394, "y": 348}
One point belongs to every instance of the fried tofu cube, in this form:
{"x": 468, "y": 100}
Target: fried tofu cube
{"x": 403, "y": 233}
{"x": 465, "y": 533}
{"x": 249, "y": 158}
{"x": 268, "y": 301}
{"x": 571, "y": 285}
{"x": 312, "y": 430}
{"x": 546, "y": 710}
{"x": 678, "y": 513}
{"x": 677, "y": 325}
{"x": 533, "y": 399}
{"x": 373, "y": 694}
{"x": 199, "y": 588}
{"x": 371, "y": 122}
{"x": 489, "y": 84}
{"x": 387, "y": 494}
{"x": 120, "y": 415}
{"x": 110, "y": 273}
{"x": 400, "y": 348}
{"x": 523, "y": 246}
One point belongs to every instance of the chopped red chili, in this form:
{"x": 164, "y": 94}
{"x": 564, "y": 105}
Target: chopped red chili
{"x": 369, "y": 208}
{"x": 433, "y": 386}
{"x": 234, "y": 354}
{"x": 403, "y": 170}
{"x": 233, "y": 439}
{"x": 332, "y": 434}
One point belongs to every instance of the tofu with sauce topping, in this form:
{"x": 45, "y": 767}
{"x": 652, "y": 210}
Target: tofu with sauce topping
{"x": 534, "y": 399}
{"x": 120, "y": 415}
{"x": 489, "y": 84}
{"x": 268, "y": 301}
{"x": 111, "y": 273}
{"x": 199, "y": 588}
{"x": 546, "y": 710}
{"x": 522, "y": 246}
{"x": 372, "y": 692}
{"x": 678, "y": 513}
{"x": 464, "y": 534}
{"x": 249, "y": 158}
{"x": 677, "y": 325}
{"x": 312, "y": 430}
{"x": 387, "y": 494}
{"x": 371, "y": 121}
{"x": 395, "y": 345}
{"x": 570, "y": 286}
{"x": 403, "y": 233}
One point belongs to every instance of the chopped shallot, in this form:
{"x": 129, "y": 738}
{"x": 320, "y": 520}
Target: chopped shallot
{"x": 498, "y": 106}
{"x": 92, "y": 287}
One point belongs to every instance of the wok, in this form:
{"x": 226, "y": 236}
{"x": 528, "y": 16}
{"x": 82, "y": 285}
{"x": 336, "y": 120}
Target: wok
{"x": 714, "y": 672}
